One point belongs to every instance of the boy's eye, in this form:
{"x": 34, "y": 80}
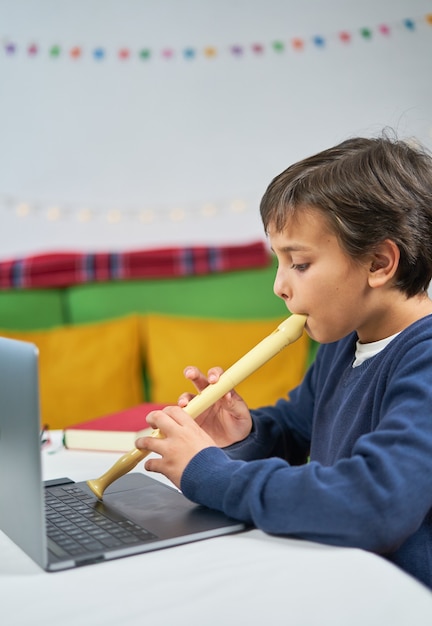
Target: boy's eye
{"x": 300, "y": 267}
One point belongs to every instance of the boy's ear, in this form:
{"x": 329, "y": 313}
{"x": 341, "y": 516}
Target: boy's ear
{"x": 384, "y": 263}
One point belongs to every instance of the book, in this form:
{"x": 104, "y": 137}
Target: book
{"x": 115, "y": 432}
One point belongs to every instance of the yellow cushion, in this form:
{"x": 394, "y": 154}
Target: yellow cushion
{"x": 172, "y": 343}
{"x": 88, "y": 370}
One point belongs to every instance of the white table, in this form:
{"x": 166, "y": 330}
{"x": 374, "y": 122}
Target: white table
{"x": 244, "y": 579}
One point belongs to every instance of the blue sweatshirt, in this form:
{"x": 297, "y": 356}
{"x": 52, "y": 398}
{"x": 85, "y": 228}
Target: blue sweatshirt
{"x": 368, "y": 431}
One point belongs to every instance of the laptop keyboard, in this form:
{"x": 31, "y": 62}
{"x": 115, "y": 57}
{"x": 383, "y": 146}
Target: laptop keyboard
{"x": 75, "y": 526}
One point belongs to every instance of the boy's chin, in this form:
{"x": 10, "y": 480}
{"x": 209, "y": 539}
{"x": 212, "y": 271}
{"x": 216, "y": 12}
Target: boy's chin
{"x": 321, "y": 335}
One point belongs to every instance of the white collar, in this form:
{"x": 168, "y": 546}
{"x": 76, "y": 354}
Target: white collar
{"x": 365, "y": 351}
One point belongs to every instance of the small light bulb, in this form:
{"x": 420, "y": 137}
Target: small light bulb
{"x": 146, "y": 216}
{"x": 208, "y": 210}
{"x": 53, "y": 213}
{"x": 238, "y": 206}
{"x": 177, "y": 215}
{"x": 84, "y": 215}
{"x": 114, "y": 216}
{"x": 23, "y": 209}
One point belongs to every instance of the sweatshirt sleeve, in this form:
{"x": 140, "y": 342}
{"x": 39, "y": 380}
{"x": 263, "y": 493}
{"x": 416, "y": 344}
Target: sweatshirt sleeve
{"x": 349, "y": 504}
{"x": 374, "y": 499}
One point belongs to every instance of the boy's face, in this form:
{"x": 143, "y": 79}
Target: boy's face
{"x": 317, "y": 278}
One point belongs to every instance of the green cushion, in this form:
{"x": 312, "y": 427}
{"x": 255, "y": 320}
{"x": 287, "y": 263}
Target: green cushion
{"x": 245, "y": 294}
{"x": 30, "y": 309}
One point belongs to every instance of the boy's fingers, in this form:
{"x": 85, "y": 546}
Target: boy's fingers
{"x": 153, "y": 444}
{"x": 165, "y": 420}
{"x": 199, "y": 380}
{"x": 196, "y": 376}
{"x": 184, "y": 399}
{"x": 152, "y": 465}
{"x": 214, "y": 374}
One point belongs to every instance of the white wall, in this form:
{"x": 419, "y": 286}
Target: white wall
{"x": 179, "y": 151}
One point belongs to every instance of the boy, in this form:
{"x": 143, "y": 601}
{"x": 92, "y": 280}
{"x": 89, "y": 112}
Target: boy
{"x": 351, "y": 228}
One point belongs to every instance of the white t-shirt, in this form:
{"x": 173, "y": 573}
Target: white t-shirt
{"x": 365, "y": 351}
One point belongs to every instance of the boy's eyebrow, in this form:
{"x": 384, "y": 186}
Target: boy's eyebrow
{"x": 293, "y": 248}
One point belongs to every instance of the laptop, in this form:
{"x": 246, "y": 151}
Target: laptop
{"x": 60, "y": 524}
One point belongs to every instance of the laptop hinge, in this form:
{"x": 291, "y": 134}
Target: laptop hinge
{"x": 55, "y": 482}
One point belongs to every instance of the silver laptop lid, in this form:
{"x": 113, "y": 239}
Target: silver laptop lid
{"x": 21, "y": 489}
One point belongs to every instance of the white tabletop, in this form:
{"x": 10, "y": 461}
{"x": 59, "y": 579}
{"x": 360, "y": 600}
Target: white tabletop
{"x": 244, "y": 579}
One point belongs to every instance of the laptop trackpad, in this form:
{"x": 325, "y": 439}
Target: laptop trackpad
{"x": 159, "y": 508}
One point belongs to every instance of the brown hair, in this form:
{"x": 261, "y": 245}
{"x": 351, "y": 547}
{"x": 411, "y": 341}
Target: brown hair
{"x": 369, "y": 190}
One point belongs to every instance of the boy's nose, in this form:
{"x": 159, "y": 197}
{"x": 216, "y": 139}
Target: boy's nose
{"x": 281, "y": 287}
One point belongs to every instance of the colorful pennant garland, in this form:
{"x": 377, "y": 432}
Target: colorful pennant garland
{"x": 11, "y": 48}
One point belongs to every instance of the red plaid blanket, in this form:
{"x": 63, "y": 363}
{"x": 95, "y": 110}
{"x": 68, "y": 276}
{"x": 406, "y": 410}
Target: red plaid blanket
{"x": 64, "y": 269}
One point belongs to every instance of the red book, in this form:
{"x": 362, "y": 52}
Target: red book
{"x": 115, "y": 432}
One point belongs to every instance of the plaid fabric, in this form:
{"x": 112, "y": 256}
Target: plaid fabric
{"x": 65, "y": 269}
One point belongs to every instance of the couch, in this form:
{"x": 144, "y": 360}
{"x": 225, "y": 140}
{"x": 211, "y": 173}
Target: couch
{"x": 108, "y": 345}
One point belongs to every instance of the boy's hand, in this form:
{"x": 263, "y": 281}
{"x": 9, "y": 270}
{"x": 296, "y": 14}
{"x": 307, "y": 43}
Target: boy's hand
{"x": 183, "y": 439}
{"x": 228, "y": 420}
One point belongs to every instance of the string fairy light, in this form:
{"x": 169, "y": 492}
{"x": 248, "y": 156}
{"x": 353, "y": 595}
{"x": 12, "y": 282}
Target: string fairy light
{"x": 208, "y": 210}
{"x": 22, "y": 209}
{"x": 177, "y": 214}
{"x": 53, "y": 213}
{"x": 114, "y": 216}
{"x": 146, "y": 215}
{"x": 238, "y": 206}
{"x": 84, "y": 215}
